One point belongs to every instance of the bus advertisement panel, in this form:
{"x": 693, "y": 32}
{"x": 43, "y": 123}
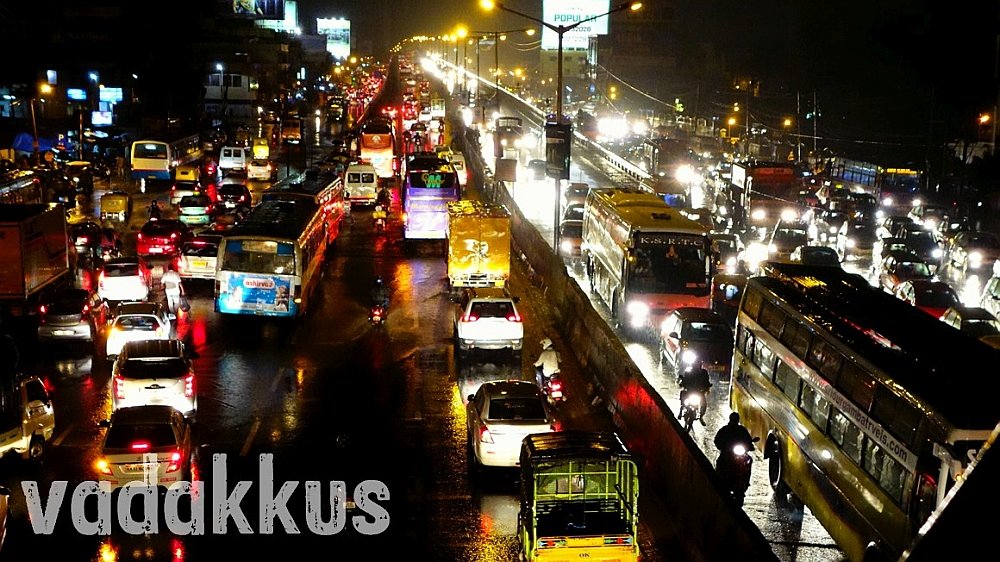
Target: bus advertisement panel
{"x": 257, "y": 276}
{"x": 256, "y": 294}
{"x": 426, "y": 195}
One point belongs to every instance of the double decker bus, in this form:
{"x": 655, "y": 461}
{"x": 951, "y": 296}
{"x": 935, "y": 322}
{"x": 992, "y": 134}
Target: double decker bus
{"x": 643, "y": 257}
{"x": 869, "y": 410}
{"x": 154, "y": 160}
{"x": 271, "y": 262}
{"x": 426, "y": 193}
{"x": 378, "y": 146}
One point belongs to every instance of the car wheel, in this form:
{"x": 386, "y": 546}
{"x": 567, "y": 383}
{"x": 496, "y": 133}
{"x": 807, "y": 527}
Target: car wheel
{"x": 36, "y": 449}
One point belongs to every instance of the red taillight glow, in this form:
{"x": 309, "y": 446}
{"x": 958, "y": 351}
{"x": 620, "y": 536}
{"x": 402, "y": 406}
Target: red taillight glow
{"x": 555, "y": 384}
{"x": 484, "y": 435}
{"x": 470, "y": 318}
{"x": 513, "y": 317}
{"x": 173, "y": 235}
{"x": 82, "y": 240}
{"x": 119, "y": 388}
{"x": 42, "y": 309}
{"x": 189, "y": 385}
{"x": 175, "y": 462}
{"x": 139, "y": 446}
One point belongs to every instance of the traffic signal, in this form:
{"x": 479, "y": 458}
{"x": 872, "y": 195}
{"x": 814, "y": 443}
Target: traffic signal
{"x": 558, "y": 140}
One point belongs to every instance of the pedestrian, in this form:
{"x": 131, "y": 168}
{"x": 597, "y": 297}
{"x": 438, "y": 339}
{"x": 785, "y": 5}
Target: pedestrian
{"x": 172, "y": 287}
{"x": 120, "y": 166}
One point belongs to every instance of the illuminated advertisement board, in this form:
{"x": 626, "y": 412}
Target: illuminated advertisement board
{"x": 257, "y": 9}
{"x": 338, "y": 36}
{"x": 568, "y": 12}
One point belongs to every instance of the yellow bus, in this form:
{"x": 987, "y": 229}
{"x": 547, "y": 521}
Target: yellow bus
{"x": 643, "y": 258}
{"x": 869, "y": 410}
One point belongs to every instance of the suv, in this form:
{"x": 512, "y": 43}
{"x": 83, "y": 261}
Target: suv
{"x": 487, "y": 318}
{"x": 154, "y": 372}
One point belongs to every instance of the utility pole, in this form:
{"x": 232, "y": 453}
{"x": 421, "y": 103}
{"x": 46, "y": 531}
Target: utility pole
{"x": 798, "y": 127}
{"x": 815, "y": 117}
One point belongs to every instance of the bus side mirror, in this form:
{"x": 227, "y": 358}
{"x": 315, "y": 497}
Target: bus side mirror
{"x": 471, "y": 397}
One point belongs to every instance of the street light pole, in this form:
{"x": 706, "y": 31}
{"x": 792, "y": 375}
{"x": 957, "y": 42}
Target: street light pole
{"x": 560, "y": 30}
{"x": 34, "y": 128}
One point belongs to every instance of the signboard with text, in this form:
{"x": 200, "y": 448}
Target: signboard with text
{"x": 568, "y": 12}
{"x": 338, "y": 36}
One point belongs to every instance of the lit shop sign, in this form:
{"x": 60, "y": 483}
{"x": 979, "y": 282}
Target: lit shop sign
{"x": 569, "y": 12}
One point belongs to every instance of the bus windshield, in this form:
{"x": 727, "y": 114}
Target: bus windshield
{"x": 150, "y": 150}
{"x": 669, "y": 268}
{"x": 251, "y": 256}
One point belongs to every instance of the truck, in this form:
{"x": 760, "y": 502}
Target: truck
{"x": 478, "y": 244}
{"x": 34, "y": 254}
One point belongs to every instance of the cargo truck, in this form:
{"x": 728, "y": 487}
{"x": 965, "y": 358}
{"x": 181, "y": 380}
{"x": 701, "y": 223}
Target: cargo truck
{"x": 33, "y": 255}
{"x": 478, "y": 244}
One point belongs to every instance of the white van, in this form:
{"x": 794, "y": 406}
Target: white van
{"x": 361, "y": 183}
{"x": 233, "y": 159}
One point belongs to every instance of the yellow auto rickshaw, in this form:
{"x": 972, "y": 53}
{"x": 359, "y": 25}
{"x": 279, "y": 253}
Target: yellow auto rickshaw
{"x": 261, "y": 148}
{"x": 116, "y": 205}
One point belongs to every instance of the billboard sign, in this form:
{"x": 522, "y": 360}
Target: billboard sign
{"x": 569, "y": 12}
{"x": 338, "y": 36}
{"x": 257, "y": 9}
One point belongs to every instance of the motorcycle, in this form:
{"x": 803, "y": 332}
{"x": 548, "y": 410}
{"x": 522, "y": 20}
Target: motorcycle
{"x": 734, "y": 469}
{"x": 691, "y": 409}
{"x": 379, "y": 215}
{"x": 377, "y": 314}
{"x": 552, "y": 387}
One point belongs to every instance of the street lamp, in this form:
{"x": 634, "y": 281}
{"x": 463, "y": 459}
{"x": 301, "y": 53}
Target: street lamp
{"x": 499, "y": 36}
{"x": 43, "y": 89}
{"x": 560, "y": 30}
{"x": 222, "y": 87}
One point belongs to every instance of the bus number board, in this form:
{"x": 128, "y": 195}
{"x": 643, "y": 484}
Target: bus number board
{"x": 661, "y": 240}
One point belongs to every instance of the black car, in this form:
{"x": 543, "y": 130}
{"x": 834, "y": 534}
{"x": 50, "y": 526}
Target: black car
{"x": 86, "y": 236}
{"x": 537, "y": 169}
{"x": 80, "y": 177}
{"x": 692, "y": 334}
{"x": 232, "y": 195}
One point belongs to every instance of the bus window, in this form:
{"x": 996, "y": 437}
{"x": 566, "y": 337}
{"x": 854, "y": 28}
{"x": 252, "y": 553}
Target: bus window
{"x": 763, "y": 357}
{"x": 796, "y": 337}
{"x": 772, "y": 319}
{"x": 788, "y": 381}
{"x": 815, "y": 406}
{"x": 751, "y": 303}
{"x": 856, "y": 384}
{"x": 846, "y": 434}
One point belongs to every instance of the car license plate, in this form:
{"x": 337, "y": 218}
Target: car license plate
{"x": 230, "y": 205}
{"x": 199, "y": 263}
{"x": 155, "y": 250}
{"x": 62, "y": 332}
{"x": 133, "y": 467}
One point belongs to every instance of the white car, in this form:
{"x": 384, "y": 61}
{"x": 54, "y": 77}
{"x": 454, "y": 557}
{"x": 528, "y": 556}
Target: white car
{"x": 262, "y": 170}
{"x": 143, "y": 443}
{"x": 124, "y": 279}
{"x": 136, "y": 321}
{"x": 487, "y": 318}
{"x": 500, "y": 415}
{"x": 154, "y": 372}
{"x": 198, "y": 257}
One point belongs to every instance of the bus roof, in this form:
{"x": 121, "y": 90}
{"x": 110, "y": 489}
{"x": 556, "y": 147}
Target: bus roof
{"x": 311, "y": 182}
{"x": 573, "y": 444}
{"x": 644, "y": 211}
{"x": 277, "y": 219}
{"x": 928, "y": 358}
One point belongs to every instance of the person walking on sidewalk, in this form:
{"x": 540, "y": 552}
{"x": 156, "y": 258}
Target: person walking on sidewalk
{"x": 171, "y": 283}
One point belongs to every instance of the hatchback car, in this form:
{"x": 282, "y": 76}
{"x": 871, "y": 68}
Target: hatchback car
{"x": 162, "y": 237}
{"x": 973, "y": 320}
{"x": 500, "y": 415}
{"x": 154, "y": 372}
{"x": 182, "y": 189}
{"x": 232, "y": 195}
{"x": 693, "y": 333}
{"x": 195, "y": 209}
{"x": 126, "y": 278}
{"x": 137, "y": 321}
{"x": 198, "y": 257}
{"x": 856, "y": 239}
{"x": 933, "y": 297}
{"x": 72, "y": 315}
{"x": 816, "y": 255}
{"x": 487, "y": 318}
{"x": 786, "y": 236}
{"x": 974, "y": 250}
{"x": 150, "y": 444}
{"x": 259, "y": 169}
{"x": 898, "y": 267}
{"x": 570, "y": 240}
{"x": 86, "y": 237}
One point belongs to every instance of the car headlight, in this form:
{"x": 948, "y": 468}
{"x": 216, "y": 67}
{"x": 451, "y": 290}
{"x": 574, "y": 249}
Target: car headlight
{"x": 688, "y": 357}
{"x": 758, "y": 215}
{"x": 937, "y": 253}
{"x": 789, "y": 215}
{"x": 918, "y": 202}
{"x": 851, "y": 243}
{"x": 880, "y": 214}
{"x": 772, "y": 249}
{"x": 566, "y": 246}
{"x": 833, "y": 229}
{"x": 638, "y": 311}
{"x": 975, "y": 258}
{"x": 888, "y": 202}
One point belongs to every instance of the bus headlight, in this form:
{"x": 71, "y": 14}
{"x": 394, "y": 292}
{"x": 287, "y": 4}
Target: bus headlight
{"x": 638, "y": 311}
{"x": 688, "y": 357}
{"x": 758, "y": 215}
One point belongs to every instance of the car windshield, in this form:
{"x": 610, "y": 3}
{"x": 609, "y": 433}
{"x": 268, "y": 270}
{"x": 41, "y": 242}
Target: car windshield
{"x": 154, "y": 368}
{"x": 914, "y": 269}
{"x": 121, "y": 270}
{"x": 789, "y": 237}
{"x": 820, "y": 256}
{"x": 936, "y": 298}
{"x": 201, "y": 249}
{"x": 143, "y": 322}
{"x": 195, "y": 201}
{"x": 511, "y": 408}
{"x": 980, "y": 327}
{"x": 922, "y": 238}
{"x": 574, "y": 212}
{"x": 573, "y": 230}
{"x": 492, "y": 309}
{"x": 123, "y": 436}
{"x": 707, "y": 332}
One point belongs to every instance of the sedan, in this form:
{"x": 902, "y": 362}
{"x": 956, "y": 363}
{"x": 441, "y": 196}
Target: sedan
{"x": 976, "y": 250}
{"x": 137, "y": 321}
{"x": 262, "y": 170}
{"x": 500, "y": 415}
{"x": 72, "y": 315}
{"x": 198, "y": 257}
{"x": 195, "y": 209}
{"x": 162, "y": 237}
{"x": 126, "y": 278}
{"x": 933, "y": 297}
{"x": 150, "y": 444}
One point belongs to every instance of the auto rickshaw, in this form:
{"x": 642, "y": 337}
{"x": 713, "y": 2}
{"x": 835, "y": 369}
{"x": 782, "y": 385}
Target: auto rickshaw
{"x": 116, "y": 205}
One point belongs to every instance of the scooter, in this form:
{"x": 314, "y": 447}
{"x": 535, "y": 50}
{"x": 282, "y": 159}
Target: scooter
{"x": 735, "y": 471}
{"x": 377, "y": 314}
{"x": 552, "y": 387}
{"x": 691, "y": 409}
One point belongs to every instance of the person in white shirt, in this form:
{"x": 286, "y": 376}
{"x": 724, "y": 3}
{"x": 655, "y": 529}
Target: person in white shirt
{"x": 547, "y": 363}
{"x": 171, "y": 283}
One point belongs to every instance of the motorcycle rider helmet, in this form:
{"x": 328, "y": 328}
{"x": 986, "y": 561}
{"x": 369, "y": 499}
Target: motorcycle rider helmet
{"x": 546, "y": 343}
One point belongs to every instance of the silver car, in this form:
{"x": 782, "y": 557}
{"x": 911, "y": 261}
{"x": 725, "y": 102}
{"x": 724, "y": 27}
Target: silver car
{"x": 500, "y": 415}
{"x": 154, "y": 372}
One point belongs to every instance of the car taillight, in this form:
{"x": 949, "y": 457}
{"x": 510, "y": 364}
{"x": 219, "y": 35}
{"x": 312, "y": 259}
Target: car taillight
{"x": 175, "y": 462}
{"x": 119, "y": 388}
{"x": 42, "y": 309}
{"x": 484, "y": 435}
{"x": 173, "y": 235}
{"x": 82, "y": 240}
{"x": 141, "y": 236}
{"x": 243, "y": 198}
{"x": 103, "y": 466}
{"x": 513, "y": 317}
{"x": 86, "y": 308}
{"x": 470, "y": 318}
{"x": 189, "y": 385}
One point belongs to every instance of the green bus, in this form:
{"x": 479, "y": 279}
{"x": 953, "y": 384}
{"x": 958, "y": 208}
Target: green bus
{"x": 869, "y": 409}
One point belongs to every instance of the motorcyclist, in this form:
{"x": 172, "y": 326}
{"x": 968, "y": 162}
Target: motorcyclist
{"x": 380, "y": 293}
{"x": 694, "y": 379}
{"x": 383, "y": 198}
{"x": 154, "y": 210}
{"x": 110, "y": 241}
{"x": 547, "y": 363}
{"x": 728, "y": 436}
